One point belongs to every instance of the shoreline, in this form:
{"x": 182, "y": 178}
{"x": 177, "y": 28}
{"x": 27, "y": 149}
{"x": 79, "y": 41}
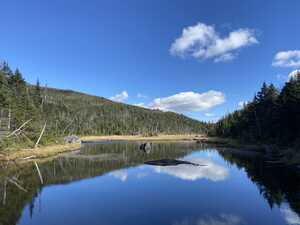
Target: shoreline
{"x": 54, "y": 150}
{"x": 187, "y": 137}
{"x": 38, "y": 153}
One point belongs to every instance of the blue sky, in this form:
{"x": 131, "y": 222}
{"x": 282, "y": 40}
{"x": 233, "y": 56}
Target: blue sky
{"x": 200, "y": 58}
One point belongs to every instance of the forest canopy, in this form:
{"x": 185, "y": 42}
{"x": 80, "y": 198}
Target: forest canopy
{"x": 65, "y": 112}
{"x": 273, "y": 116}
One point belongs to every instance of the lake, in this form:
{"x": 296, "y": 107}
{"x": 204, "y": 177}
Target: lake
{"x": 176, "y": 183}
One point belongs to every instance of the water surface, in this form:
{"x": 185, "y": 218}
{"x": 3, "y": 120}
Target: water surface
{"x": 109, "y": 183}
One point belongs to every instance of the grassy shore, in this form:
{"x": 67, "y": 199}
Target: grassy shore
{"x": 38, "y": 153}
{"x": 142, "y": 138}
{"x": 290, "y": 157}
{"x": 56, "y": 149}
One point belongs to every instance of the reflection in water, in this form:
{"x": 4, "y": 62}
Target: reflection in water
{"x": 195, "y": 201}
{"x": 210, "y": 171}
{"x": 289, "y": 215}
{"x": 222, "y": 219}
{"x": 170, "y": 162}
{"x": 141, "y": 175}
{"x": 92, "y": 160}
{"x": 120, "y": 175}
{"x": 276, "y": 185}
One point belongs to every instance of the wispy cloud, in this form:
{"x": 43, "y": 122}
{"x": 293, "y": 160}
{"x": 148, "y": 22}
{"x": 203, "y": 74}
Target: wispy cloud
{"x": 222, "y": 219}
{"x": 204, "y": 42}
{"x": 209, "y": 114}
{"x": 189, "y": 101}
{"x": 141, "y": 104}
{"x": 123, "y": 96}
{"x": 120, "y": 175}
{"x": 294, "y": 74}
{"x": 290, "y": 216}
{"x": 139, "y": 95}
{"x": 287, "y": 59}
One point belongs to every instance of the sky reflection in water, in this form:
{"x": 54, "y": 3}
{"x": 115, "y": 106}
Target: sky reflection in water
{"x": 219, "y": 193}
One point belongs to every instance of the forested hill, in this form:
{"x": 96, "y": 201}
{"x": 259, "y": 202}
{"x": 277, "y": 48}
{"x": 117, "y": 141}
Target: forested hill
{"x": 65, "y": 112}
{"x": 97, "y": 115}
{"x": 272, "y": 117}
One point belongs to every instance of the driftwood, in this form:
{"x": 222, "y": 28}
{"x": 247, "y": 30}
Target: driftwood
{"x": 42, "y": 132}
{"x": 19, "y": 129}
{"x": 39, "y": 172}
{"x": 29, "y": 157}
{"x": 16, "y": 183}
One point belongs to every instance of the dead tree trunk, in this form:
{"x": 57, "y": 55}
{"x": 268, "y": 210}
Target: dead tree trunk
{"x": 42, "y": 132}
{"x": 39, "y": 172}
{"x": 19, "y": 129}
{"x": 9, "y": 118}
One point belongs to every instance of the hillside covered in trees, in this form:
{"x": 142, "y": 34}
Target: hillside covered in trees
{"x": 26, "y": 109}
{"x": 272, "y": 117}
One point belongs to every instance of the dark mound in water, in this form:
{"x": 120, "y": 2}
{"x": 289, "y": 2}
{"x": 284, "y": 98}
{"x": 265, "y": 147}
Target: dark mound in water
{"x": 170, "y": 162}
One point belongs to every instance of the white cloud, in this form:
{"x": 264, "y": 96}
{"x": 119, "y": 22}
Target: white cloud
{"x": 222, "y": 219}
{"x": 141, "y": 104}
{"x": 204, "y": 42}
{"x": 210, "y": 171}
{"x": 120, "y": 175}
{"x": 241, "y": 104}
{"x": 189, "y": 101}
{"x": 120, "y": 97}
{"x": 287, "y": 59}
{"x": 139, "y": 95}
{"x": 209, "y": 114}
{"x": 294, "y": 74}
{"x": 290, "y": 216}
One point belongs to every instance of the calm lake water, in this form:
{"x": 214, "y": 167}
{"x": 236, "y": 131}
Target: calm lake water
{"x": 117, "y": 184}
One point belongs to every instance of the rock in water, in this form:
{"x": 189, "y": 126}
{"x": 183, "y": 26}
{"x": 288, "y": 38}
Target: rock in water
{"x": 146, "y": 147}
{"x": 72, "y": 139}
{"x": 170, "y": 162}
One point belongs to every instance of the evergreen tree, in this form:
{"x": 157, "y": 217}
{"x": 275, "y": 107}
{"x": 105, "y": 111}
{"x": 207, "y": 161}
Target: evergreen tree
{"x": 37, "y": 94}
{"x": 289, "y": 100}
{"x": 272, "y": 116}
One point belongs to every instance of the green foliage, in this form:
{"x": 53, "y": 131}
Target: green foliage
{"x": 67, "y": 112}
{"x": 272, "y": 116}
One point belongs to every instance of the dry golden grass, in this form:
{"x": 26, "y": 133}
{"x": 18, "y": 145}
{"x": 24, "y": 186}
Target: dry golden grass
{"x": 41, "y": 152}
{"x": 54, "y": 150}
{"x": 141, "y": 138}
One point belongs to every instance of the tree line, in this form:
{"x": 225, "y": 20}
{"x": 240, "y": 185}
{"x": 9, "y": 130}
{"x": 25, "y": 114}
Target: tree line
{"x": 26, "y": 109}
{"x": 273, "y": 116}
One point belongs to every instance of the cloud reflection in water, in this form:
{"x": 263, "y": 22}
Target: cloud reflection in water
{"x": 211, "y": 171}
{"x": 120, "y": 175}
{"x": 222, "y": 219}
{"x": 290, "y": 216}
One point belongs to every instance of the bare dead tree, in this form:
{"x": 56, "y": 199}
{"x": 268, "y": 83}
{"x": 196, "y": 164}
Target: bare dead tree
{"x": 19, "y": 130}
{"x": 14, "y": 181}
{"x": 39, "y": 172}
{"x": 9, "y": 118}
{"x": 41, "y": 134}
